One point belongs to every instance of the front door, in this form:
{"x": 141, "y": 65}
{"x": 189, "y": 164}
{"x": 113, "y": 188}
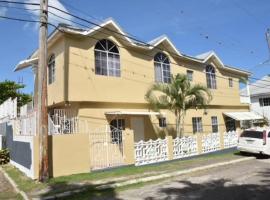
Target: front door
{"x": 137, "y": 125}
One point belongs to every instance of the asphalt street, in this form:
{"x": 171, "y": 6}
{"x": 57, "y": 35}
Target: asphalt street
{"x": 244, "y": 180}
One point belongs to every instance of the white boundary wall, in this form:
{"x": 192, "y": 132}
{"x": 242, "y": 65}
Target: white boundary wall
{"x": 30, "y": 140}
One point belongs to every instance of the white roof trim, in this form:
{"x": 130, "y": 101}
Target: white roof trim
{"x": 152, "y": 44}
{"x": 96, "y": 28}
{"x": 207, "y": 55}
{"x": 132, "y": 113}
{"x": 161, "y": 39}
{"x": 240, "y": 116}
{"x": 25, "y": 64}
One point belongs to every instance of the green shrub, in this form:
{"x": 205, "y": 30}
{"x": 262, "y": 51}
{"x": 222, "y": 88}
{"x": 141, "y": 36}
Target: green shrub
{"x": 4, "y": 156}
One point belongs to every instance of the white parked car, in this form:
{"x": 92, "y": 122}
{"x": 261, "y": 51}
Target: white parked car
{"x": 255, "y": 141}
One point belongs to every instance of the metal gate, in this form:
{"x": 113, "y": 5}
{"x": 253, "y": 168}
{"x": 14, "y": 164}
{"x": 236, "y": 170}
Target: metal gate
{"x": 106, "y": 148}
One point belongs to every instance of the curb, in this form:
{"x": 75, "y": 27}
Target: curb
{"x": 14, "y": 185}
{"x": 172, "y": 174}
{"x": 147, "y": 179}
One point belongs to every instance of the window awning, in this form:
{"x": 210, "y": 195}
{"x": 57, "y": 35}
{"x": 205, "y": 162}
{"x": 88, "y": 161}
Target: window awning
{"x": 132, "y": 113}
{"x": 26, "y": 63}
{"x": 240, "y": 116}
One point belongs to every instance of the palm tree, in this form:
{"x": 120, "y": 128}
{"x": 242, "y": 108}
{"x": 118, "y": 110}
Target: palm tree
{"x": 178, "y": 96}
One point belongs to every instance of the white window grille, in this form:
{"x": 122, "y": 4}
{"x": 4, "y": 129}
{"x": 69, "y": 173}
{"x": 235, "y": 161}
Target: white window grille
{"x": 211, "y": 77}
{"x": 162, "y": 122}
{"x": 264, "y": 101}
{"x": 107, "y": 59}
{"x": 117, "y": 126}
{"x": 162, "y": 68}
{"x": 197, "y": 125}
{"x": 51, "y": 69}
{"x": 63, "y": 121}
{"x": 214, "y": 121}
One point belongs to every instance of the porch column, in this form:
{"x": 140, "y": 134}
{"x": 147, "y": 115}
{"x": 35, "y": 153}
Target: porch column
{"x": 128, "y": 147}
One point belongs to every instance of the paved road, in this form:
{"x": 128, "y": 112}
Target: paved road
{"x": 245, "y": 180}
{"x": 6, "y": 189}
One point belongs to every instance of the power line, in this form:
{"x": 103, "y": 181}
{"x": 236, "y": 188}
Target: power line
{"x": 88, "y": 21}
{"x": 26, "y": 20}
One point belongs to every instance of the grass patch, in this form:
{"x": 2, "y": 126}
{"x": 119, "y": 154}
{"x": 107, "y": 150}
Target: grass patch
{"x": 24, "y": 183}
{"x": 65, "y": 183}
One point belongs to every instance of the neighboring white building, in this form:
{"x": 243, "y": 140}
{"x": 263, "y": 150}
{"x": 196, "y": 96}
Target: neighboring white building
{"x": 259, "y": 97}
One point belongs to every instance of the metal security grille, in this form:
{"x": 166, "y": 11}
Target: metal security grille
{"x": 106, "y": 148}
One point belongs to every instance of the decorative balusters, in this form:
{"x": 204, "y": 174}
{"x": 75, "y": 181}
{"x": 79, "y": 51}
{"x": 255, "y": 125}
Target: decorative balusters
{"x": 151, "y": 151}
{"x": 230, "y": 139}
{"x": 185, "y": 147}
{"x": 210, "y": 142}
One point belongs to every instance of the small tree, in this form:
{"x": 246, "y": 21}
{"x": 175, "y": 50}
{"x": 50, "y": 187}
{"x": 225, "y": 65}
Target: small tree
{"x": 178, "y": 96}
{"x": 11, "y": 89}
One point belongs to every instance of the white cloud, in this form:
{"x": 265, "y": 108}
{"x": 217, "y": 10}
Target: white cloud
{"x": 52, "y": 19}
{"x": 3, "y": 11}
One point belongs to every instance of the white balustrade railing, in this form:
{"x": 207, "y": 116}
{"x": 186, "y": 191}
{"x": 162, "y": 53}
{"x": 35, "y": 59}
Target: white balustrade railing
{"x": 230, "y": 139}
{"x": 151, "y": 151}
{"x": 26, "y": 125}
{"x": 185, "y": 147}
{"x": 210, "y": 142}
{"x": 8, "y": 109}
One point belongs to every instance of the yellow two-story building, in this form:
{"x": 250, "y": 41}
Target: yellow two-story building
{"x": 102, "y": 75}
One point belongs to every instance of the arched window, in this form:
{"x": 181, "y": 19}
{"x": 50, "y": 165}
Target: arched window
{"x": 51, "y": 69}
{"x": 211, "y": 77}
{"x": 107, "y": 59}
{"x": 162, "y": 68}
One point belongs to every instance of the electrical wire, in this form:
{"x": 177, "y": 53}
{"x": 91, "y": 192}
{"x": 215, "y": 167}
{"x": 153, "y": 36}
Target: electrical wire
{"x": 84, "y": 26}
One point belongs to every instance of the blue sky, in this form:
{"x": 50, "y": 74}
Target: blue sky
{"x": 234, "y": 29}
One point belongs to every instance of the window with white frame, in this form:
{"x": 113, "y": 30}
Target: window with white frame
{"x": 107, "y": 59}
{"x": 230, "y": 82}
{"x": 51, "y": 69}
{"x": 264, "y": 101}
{"x": 211, "y": 77}
{"x": 214, "y": 121}
{"x": 162, "y": 122}
{"x": 190, "y": 75}
{"x": 197, "y": 125}
{"x": 162, "y": 68}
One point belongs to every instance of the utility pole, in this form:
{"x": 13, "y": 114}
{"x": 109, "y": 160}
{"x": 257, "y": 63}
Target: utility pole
{"x": 42, "y": 114}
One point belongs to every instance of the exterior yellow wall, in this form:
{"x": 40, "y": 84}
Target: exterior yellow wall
{"x": 56, "y": 89}
{"x": 70, "y": 154}
{"x": 94, "y": 114}
{"x": 137, "y": 75}
{"x": 92, "y": 95}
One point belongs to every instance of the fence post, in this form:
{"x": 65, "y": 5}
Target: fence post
{"x": 221, "y": 136}
{"x": 199, "y": 143}
{"x": 128, "y": 146}
{"x": 170, "y": 147}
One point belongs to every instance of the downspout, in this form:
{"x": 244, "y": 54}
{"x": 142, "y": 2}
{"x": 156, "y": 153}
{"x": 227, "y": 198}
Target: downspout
{"x": 66, "y": 72}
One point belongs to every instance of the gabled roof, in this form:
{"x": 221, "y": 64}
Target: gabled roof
{"x": 116, "y": 29}
{"x": 207, "y": 55}
{"x": 163, "y": 39}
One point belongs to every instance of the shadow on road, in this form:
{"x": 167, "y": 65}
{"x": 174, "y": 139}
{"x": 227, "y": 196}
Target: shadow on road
{"x": 220, "y": 189}
{"x": 79, "y": 192}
